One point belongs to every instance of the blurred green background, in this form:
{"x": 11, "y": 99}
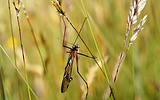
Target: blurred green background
{"x": 139, "y": 74}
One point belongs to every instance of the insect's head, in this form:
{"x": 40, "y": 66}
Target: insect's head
{"x": 75, "y": 46}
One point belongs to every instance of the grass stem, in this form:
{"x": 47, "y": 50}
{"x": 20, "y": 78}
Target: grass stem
{"x": 103, "y": 66}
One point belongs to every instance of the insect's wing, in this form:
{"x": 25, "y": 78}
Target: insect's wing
{"x": 67, "y": 75}
{"x": 65, "y": 84}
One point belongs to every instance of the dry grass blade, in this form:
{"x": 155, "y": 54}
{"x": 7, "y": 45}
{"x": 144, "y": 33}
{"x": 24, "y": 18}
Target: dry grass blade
{"x": 58, "y": 7}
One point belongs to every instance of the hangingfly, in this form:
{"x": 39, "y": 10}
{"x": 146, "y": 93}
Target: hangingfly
{"x": 68, "y": 69}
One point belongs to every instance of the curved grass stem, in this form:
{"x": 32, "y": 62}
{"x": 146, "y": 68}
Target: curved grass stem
{"x": 103, "y": 66}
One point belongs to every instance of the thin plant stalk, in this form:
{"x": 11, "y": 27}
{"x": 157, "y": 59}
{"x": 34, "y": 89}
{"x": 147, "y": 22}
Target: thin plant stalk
{"x": 27, "y": 17}
{"x": 17, "y": 5}
{"x": 133, "y": 71}
{"x": 13, "y": 43}
{"x": 32, "y": 31}
{"x": 12, "y": 31}
{"x": 133, "y": 66}
{"x": 17, "y": 12}
{"x": 4, "y": 89}
{"x": 104, "y": 70}
{"x": 1, "y": 81}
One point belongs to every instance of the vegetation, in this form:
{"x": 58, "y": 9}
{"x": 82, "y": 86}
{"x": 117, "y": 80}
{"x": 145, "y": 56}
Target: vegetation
{"x": 45, "y": 58}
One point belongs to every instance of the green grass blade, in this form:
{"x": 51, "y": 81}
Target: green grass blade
{"x": 2, "y": 93}
{"x": 95, "y": 43}
{"x": 18, "y": 72}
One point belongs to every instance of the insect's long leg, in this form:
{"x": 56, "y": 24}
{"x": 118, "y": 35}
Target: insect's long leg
{"x": 64, "y": 34}
{"x": 83, "y": 55}
{"x": 78, "y": 34}
{"x": 81, "y": 75}
{"x": 84, "y": 44}
{"x": 86, "y": 55}
{"x": 80, "y": 30}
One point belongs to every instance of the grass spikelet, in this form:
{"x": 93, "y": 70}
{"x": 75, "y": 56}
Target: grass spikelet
{"x": 56, "y": 4}
{"x": 137, "y": 30}
{"x": 135, "y": 10}
{"x": 136, "y": 7}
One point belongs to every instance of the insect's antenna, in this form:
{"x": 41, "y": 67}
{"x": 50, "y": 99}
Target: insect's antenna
{"x": 64, "y": 30}
{"x": 80, "y": 31}
{"x": 65, "y": 41}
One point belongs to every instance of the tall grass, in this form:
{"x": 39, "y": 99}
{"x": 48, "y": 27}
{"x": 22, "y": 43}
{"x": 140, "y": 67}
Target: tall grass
{"x": 108, "y": 20}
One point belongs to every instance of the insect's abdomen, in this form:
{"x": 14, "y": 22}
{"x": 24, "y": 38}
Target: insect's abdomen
{"x": 67, "y": 75}
{"x": 65, "y": 84}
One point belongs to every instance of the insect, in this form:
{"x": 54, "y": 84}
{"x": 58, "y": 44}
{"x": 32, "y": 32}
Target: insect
{"x": 56, "y": 4}
{"x": 73, "y": 53}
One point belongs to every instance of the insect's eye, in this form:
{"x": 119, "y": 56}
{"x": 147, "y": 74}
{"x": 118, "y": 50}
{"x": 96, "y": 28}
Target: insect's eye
{"x": 77, "y": 46}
